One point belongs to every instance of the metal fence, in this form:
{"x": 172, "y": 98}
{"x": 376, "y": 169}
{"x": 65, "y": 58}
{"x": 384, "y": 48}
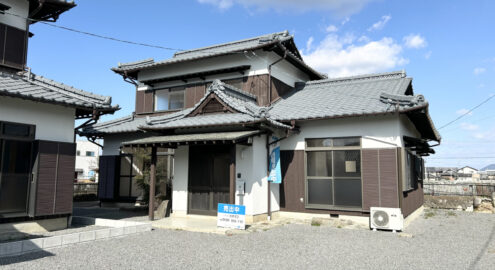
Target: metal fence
{"x": 459, "y": 189}
{"x": 85, "y": 188}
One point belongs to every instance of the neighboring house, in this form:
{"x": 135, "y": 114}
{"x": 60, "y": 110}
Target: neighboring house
{"x": 467, "y": 170}
{"x": 346, "y": 144}
{"x": 37, "y": 149}
{"x": 87, "y": 156}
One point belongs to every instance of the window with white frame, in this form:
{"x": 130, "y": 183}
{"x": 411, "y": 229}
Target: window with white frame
{"x": 169, "y": 99}
{"x": 333, "y": 173}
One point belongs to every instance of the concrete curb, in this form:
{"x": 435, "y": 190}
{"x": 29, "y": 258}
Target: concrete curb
{"x": 117, "y": 228}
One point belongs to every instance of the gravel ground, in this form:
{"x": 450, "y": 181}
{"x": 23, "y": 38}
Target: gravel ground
{"x": 437, "y": 240}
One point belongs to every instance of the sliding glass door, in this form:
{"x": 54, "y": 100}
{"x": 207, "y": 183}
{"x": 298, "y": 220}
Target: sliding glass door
{"x": 15, "y": 166}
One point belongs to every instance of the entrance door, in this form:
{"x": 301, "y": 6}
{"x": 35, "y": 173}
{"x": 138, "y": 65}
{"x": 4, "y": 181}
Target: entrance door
{"x": 15, "y": 161}
{"x": 209, "y": 178}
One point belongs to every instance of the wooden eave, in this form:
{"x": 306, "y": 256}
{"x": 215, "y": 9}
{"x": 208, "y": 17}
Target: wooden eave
{"x": 201, "y": 75}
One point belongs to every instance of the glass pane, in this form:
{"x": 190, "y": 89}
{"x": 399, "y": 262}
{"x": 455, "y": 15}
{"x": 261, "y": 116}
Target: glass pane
{"x": 347, "y": 141}
{"x": 136, "y": 191}
{"x": 124, "y": 187}
{"x": 176, "y": 100}
{"x": 161, "y": 100}
{"x": 125, "y": 165}
{"x": 13, "y": 192}
{"x": 319, "y": 163}
{"x": 347, "y": 163}
{"x": 17, "y": 157}
{"x": 16, "y": 130}
{"x": 320, "y": 191}
{"x": 325, "y": 142}
{"x": 347, "y": 192}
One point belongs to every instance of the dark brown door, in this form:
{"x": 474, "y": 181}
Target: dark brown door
{"x": 15, "y": 170}
{"x": 209, "y": 178}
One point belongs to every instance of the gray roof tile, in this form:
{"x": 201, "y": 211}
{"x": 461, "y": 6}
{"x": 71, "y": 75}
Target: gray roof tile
{"x": 37, "y": 88}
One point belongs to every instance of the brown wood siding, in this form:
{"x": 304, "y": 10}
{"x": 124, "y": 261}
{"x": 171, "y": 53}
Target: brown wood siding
{"x": 213, "y": 106}
{"x": 279, "y": 89}
{"x": 13, "y": 46}
{"x": 46, "y": 179}
{"x": 139, "y": 102}
{"x": 149, "y": 103}
{"x": 258, "y": 86}
{"x": 194, "y": 93}
{"x": 370, "y": 178}
{"x": 56, "y": 167}
{"x": 292, "y": 187}
{"x": 389, "y": 178}
{"x": 412, "y": 200}
{"x": 65, "y": 178}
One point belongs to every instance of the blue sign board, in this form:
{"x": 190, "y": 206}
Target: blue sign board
{"x": 275, "y": 175}
{"x": 231, "y": 216}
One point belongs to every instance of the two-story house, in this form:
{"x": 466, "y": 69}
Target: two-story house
{"x": 346, "y": 144}
{"x": 37, "y": 121}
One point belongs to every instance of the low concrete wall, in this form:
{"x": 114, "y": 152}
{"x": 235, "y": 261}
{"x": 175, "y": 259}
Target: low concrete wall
{"x": 117, "y": 229}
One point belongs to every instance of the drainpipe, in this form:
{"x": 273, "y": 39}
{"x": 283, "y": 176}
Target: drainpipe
{"x": 270, "y": 76}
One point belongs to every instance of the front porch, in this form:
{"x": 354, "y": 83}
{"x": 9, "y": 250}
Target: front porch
{"x": 211, "y": 168}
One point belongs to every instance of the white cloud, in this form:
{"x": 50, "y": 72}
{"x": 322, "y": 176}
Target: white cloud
{"x": 338, "y": 7}
{"x": 309, "y": 43}
{"x": 469, "y": 127}
{"x": 464, "y": 111}
{"x": 344, "y": 55}
{"x": 346, "y": 20}
{"x": 479, "y": 70}
{"x": 380, "y": 24}
{"x": 414, "y": 41}
{"x": 332, "y": 28}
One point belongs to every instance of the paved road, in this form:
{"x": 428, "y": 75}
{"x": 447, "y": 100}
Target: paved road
{"x": 443, "y": 241}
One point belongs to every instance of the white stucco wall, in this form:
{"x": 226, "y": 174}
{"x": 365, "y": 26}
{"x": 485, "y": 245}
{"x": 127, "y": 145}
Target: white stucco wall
{"x": 180, "y": 180}
{"x": 376, "y": 131}
{"x": 112, "y": 143}
{"x": 259, "y": 63}
{"x": 251, "y": 163}
{"x": 53, "y": 122}
{"x": 17, "y": 7}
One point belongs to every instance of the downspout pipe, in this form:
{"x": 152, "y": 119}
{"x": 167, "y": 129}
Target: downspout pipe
{"x": 270, "y": 75}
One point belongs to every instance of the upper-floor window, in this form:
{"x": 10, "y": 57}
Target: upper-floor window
{"x": 90, "y": 153}
{"x": 78, "y": 153}
{"x": 169, "y": 99}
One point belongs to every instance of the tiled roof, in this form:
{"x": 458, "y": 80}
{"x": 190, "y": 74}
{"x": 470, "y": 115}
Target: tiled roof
{"x": 330, "y": 98}
{"x": 37, "y": 88}
{"x": 280, "y": 39}
{"x": 351, "y": 96}
{"x": 224, "y": 48}
{"x": 247, "y": 111}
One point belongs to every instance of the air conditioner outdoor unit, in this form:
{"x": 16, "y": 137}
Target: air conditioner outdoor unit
{"x": 386, "y": 219}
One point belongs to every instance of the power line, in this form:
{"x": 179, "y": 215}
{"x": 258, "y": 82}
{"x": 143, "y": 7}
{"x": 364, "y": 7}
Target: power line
{"x": 468, "y": 112}
{"x": 111, "y": 38}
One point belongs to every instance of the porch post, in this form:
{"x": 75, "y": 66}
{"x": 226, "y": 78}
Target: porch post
{"x": 151, "y": 205}
{"x": 232, "y": 176}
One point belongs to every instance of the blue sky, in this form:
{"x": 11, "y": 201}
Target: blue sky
{"x": 445, "y": 45}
